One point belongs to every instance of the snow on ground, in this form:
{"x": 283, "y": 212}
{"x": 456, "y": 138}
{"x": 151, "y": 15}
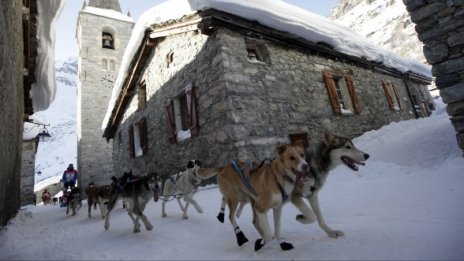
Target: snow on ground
{"x": 406, "y": 203}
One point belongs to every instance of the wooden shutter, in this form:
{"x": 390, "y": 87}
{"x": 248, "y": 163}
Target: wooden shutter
{"x": 131, "y": 142}
{"x": 192, "y": 109}
{"x": 397, "y": 94}
{"x": 330, "y": 85}
{"x": 354, "y": 97}
{"x": 171, "y": 123}
{"x": 143, "y": 135}
{"x": 389, "y": 98}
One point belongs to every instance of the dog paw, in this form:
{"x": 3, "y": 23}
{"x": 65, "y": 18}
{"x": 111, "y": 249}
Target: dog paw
{"x": 286, "y": 246}
{"x": 336, "y": 234}
{"x": 149, "y": 227}
{"x": 164, "y": 215}
{"x": 185, "y": 217}
{"x": 259, "y": 243}
{"x": 220, "y": 217}
{"x": 304, "y": 219}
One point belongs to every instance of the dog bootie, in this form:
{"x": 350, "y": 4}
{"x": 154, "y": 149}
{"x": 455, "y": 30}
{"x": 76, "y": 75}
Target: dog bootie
{"x": 220, "y": 217}
{"x": 241, "y": 238}
{"x": 286, "y": 246}
{"x": 259, "y": 244}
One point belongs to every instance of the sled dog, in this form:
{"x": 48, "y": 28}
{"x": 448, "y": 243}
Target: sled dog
{"x": 98, "y": 194}
{"x": 183, "y": 185}
{"x": 136, "y": 192}
{"x": 325, "y": 156}
{"x": 269, "y": 187}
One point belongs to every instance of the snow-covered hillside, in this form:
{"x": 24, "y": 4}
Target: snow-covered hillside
{"x": 386, "y": 23}
{"x": 54, "y": 155}
{"x": 405, "y": 204}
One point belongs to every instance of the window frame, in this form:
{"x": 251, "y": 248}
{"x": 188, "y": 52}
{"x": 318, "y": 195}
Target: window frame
{"x": 177, "y": 115}
{"x": 138, "y": 139}
{"x": 393, "y": 96}
{"x": 332, "y": 80}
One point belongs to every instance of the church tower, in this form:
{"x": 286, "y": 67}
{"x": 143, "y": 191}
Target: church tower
{"x": 103, "y": 33}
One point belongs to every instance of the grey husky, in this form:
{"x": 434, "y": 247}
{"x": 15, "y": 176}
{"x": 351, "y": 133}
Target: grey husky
{"x": 323, "y": 157}
{"x": 183, "y": 185}
{"x": 136, "y": 192}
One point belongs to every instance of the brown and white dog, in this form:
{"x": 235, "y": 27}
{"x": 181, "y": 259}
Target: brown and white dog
{"x": 98, "y": 194}
{"x": 270, "y": 186}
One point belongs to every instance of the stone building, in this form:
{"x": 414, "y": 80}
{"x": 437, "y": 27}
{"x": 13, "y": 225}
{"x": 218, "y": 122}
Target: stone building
{"x": 28, "y": 171}
{"x": 21, "y": 80}
{"x": 440, "y": 26}
{"x": 102, "y": 35}
{"x": 215, "y": 86}
{"x": 11, "y": 107}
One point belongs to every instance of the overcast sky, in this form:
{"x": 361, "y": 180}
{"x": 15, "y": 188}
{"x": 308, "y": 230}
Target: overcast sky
{"x": 66, "y": 43}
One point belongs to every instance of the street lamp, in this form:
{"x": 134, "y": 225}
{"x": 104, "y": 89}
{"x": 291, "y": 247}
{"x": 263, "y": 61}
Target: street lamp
{"x": 43, "y": 134}
{"x": 30, "y": 130}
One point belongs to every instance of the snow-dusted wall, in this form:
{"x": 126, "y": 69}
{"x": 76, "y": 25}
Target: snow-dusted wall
{"x": 43, "y": 90}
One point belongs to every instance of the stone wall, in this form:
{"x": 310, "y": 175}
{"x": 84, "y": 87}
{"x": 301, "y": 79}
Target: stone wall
{"x": 94, "y": 154}
{"x": 11, "y": 107}
{"x": 440, "y": 26}
{"x": 28, "y": 172}
{"x": 246, "y": 108}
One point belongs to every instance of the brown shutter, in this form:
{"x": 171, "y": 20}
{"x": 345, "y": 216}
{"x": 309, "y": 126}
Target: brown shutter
{"x": 354, "y": 97}
{"x": 143, "y": 135}
{"x": 131, "y": 141}
{"x": 397, "y": 94}
{"x": 171, "y": 123}
{"x": 192, "y": 109}
{"x": 389, "y": 98}
{"x": 330, "y": 85}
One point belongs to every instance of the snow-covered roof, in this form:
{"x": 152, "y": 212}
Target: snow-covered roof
{"x": 43, "y": 90}
{"x": 107, "y": 13}
{"x": 276, "y": 14}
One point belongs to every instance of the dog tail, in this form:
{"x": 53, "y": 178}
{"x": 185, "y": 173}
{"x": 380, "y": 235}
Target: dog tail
{"x": 205, "y": 173}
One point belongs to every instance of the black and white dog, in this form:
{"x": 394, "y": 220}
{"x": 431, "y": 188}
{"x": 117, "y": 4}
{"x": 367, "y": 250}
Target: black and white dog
{"x": 183, "y": 185}
{"x": 325, "y": 156}
{"x": 136, "y": 192}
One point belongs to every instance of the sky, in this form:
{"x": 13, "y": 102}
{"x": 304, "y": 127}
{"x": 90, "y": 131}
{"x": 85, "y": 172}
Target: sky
{"x": 66, "y": 43}
{"x": 404, "y": 204}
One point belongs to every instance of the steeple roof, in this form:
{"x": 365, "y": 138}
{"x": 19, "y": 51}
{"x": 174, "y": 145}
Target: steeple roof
{"x": 106, "y": 4}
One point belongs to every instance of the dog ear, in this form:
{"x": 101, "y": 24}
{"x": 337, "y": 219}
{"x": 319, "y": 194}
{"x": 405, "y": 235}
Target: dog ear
{"x": 281, "y": 148}
{"x": 300, "y": 143}
{"x": 190, "y": 164}
{"x": 328, "y": 137}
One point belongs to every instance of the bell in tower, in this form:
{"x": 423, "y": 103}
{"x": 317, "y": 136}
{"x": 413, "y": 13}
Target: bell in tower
{"x": 107, "y": 41}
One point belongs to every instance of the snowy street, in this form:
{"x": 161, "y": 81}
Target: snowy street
{"x": 406, "y": 203}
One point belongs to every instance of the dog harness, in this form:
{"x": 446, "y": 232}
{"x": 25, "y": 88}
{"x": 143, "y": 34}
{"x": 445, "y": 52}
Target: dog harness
{"x": 245, "y": 180}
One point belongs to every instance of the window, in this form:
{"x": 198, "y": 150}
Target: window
{"x": 393, "y": 95}
{"x": 256, "y": 52}
{"x": 107, "y": 40}
{"x": 341, "y": 92}
{"x": 300, "y": 136}
{"x": 105, "y": 64}
{"x": 142, "y": 96}
{"x": 138, "y": 141}
{"x": 169, "y": 58}
{"x": 112, "y": 65}
{"x": 182, "y": 115}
